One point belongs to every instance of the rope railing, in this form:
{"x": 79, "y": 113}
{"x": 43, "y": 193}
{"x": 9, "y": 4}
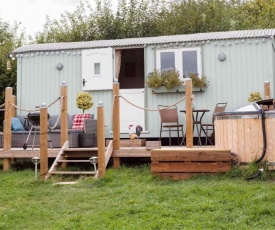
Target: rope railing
{"x": 107, "y": 124}
{"x": 59, "y": 115}
{"x": 1, "y": 106}
{"x": 151, "y": 109}
{"x": 33, "y": 110}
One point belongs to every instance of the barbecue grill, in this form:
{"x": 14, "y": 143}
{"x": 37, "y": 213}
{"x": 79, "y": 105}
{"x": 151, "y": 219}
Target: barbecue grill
{"x": 34, "y": 120}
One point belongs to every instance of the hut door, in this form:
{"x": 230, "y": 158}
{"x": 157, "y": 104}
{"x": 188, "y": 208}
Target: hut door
{"x": 130, "y": 115}
{"x": 97, "y": 69}
{"x": 130, "y": 73}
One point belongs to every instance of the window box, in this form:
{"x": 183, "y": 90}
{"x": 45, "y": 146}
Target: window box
{"x": 178, "y": 89}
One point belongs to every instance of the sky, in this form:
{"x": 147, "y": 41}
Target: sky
{"x": 32, "y": 13}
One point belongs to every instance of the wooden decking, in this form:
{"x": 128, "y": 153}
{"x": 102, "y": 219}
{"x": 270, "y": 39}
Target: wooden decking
{"x": 52, "y": 153}
{"x": 181, "y": 164}
{"x": 176, "y": 162}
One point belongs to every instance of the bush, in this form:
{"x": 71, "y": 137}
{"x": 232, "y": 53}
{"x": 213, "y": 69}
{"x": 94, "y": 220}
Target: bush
{"x": 168, "y": 78}
{"x": 199, "y": 82}
{"x": 154, "y": 79}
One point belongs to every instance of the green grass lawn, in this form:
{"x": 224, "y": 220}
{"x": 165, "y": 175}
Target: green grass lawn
{"x": 130, "y": 198}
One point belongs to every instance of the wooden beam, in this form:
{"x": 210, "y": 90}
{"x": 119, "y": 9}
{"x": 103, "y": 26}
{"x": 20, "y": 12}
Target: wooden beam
{"x": 175, "y": 176}
{"x": 108, "y": 153}
{"x": 194, "y": 167}
{"x": 101, "y": 140}
{"x": 132, "y": 152}
{"x": 43, "y": 142}
{"x": 6, "y": 164}
{"x": 129, "y": 143}
{"x": 116, "y": 116}
{"x": 191, "y": 155}
{"x": 64, "y": 113}
{"x": 189, "y": 113}
{"x": 116, "y": 163}
{"x": 13, "y": 111}
{"x": 266, "y": 90}
{"x": 7, "y": 126}
{"x": 28, "y": 153}
{"x": 7, "y": 119}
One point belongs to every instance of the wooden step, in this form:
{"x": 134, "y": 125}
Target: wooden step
{"x": 129, "y": 143}
{"x": 74, "y": 172}
{"x": 132, "y": 152}
{"x": 74, "y": 161}
{"x": 181, "y": 164}
{"x": 76, "y": 153}
{"x": 81, "y": 149}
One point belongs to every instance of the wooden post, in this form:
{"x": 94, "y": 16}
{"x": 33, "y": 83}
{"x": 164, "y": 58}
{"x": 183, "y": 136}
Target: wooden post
{"x": 7, "y": 127}
{"x": 189, "y": 113}
{"x": 13, "y": 111}
{"x": 43, "y": 141}
{"x": 101, "y": 139}
{"x": 266, "y": 90}
{"x": 116, "y": 122}
{"x": 64, "y": 114}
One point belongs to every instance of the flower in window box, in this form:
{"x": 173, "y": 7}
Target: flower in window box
{"x": 167, "y": 77}
{"x": 200, "y": 82}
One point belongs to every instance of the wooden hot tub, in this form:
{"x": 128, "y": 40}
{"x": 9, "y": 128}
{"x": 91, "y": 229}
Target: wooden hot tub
{"x": 241, "y": 132}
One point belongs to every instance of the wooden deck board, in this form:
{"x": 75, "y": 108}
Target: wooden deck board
{"x": 122, "y": 152}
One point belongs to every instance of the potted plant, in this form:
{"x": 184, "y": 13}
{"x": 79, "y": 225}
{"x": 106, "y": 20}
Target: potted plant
{"x": 254, "y": 96}
{"x": 84, "y": 102}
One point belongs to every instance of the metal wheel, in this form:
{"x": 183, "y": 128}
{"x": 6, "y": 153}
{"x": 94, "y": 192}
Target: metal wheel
{"x": 25, "y": 146}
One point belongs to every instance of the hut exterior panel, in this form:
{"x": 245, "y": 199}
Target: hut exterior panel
{"x": 249, "y": 62}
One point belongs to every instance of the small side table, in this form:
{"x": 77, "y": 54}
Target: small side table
{"x": 197, "y": 117}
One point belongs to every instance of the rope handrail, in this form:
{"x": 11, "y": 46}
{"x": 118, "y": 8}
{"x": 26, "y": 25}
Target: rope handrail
{"x": 26, "y": 110}
{"x": 150, "y": 109}
{"x": 1, "y": 106}
{"x": 107, "y": 124}
{"x": 59, "y": 115}
{"x": 33, "y": 110}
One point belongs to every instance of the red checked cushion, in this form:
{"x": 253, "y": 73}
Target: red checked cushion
{"x": 78, "y": 121}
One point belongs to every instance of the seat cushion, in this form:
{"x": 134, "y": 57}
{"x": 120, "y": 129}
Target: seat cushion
{"x": 78, "y": 121}
{"x": 16, "y": 124}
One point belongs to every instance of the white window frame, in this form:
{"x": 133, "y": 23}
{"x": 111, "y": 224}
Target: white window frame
{"x": 178, "y": 59}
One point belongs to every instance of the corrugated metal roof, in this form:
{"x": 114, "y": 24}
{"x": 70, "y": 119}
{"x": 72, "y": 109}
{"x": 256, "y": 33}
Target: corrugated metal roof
{"x": 147, "y": 40}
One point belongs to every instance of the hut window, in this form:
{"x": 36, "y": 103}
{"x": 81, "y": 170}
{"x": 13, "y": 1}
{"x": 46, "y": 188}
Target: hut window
{"x": 185, "y": 60}
{"x": 189, "y": 62}
{"x": 167, "y": 60}
{"x": 97, "y": 68}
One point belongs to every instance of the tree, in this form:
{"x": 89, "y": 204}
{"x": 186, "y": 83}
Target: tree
{"x": 10, "y": 38}
{"x": 259, "y": 14}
